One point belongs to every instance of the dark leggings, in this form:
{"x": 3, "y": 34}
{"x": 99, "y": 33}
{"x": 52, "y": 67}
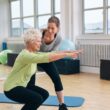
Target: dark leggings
{"x": 52, "y": 71}
{"x": 32, "y": 96}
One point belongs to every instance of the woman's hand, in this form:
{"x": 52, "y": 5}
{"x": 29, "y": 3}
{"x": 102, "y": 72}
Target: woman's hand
{"x": 78, "y": 51}
{"x": 74, "y": 54}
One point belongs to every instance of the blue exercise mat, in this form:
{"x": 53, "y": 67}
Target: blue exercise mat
{"x": 51, "y": 101}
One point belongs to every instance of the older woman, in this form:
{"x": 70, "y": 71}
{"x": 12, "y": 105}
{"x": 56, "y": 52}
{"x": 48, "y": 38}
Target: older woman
{"x": 20, "y": 85}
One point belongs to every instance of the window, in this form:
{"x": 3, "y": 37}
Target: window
{"x": 16, "y": 27}
{"x": 93, "y": 4}
{"x": 46, "y": 4}
{"x": 96, "y": 16}
{"x": 108, "y": 2}
{"x": 31, "y": 14}
{"x": 57, "y": 8}
{"x": 15, "y": 9}
{"x": 43, "y": 13}
{"x": 15, "y": 15}
{"x": 42, "y": 21}
{"x": 109, "y": 16}
{"x": 28, "y": 7}
{"x": 93, "y": 24}
{"x": 52, "y": 7}
{"x": 109, "y": 21}
{"x": 28, "y": 23}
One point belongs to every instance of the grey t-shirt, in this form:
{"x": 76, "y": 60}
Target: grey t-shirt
{"x": 52, "y": 46}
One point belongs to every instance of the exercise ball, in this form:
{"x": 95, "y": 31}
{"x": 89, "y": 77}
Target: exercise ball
{"x": 3, "y": 56}
{"x": 66, "y": 45}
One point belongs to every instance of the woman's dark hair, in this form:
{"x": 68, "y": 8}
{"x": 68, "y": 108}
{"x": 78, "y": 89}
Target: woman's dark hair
{"x": 43, "y": 32}
{"x": 55, "y": 20}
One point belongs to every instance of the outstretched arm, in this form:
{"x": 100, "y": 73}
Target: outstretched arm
{"x": 62, "y": 54}
{"x": 71, "y": 51}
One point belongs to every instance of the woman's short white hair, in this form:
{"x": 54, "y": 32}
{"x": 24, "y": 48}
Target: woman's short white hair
{"x": 31, "y": 34}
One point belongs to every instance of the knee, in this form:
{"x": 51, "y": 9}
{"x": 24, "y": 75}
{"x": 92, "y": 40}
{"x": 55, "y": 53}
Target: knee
{"x": 40, "y": 100}
{"x": 46, "y": 94}
{"x": 43, "y": 96}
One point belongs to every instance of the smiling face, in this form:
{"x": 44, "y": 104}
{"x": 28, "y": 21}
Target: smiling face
{"x": 32, "y": 39}
{"x": 48, "y": 37}
{"x": 53, "y": 25}
{"x": 52, "y": 28}
{"x": 34, "y": 45}
{"x": 49, "y": 34}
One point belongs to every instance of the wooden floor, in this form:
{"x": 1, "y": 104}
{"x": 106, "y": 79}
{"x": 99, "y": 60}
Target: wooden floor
{"x": 89, "y": 86}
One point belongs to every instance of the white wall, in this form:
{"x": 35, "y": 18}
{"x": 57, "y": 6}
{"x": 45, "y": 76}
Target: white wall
{"x": 4, "y": 19}
{"x": 71, "y": 18}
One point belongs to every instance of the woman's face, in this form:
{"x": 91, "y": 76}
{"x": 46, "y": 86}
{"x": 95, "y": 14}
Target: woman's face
{"x": 52, "y": 28}
{"x": 35, "y": 44}
{"x": 48, "y": 37}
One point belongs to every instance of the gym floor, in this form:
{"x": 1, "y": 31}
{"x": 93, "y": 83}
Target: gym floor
{"x": 89, "y": 86}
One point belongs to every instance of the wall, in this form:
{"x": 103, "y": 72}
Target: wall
{"x": 15, "y": 44}
{"x": 71, "y": 18}
{"x": 4, "y": 19}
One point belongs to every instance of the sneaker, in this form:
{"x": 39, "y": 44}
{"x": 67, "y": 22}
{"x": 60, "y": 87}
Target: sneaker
{"x": 63, "y": 107}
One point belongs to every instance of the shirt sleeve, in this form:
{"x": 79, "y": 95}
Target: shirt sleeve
{"x": 39, "y": 57}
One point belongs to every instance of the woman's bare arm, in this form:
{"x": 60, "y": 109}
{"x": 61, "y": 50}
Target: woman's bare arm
{"x": 59, "y": 55}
